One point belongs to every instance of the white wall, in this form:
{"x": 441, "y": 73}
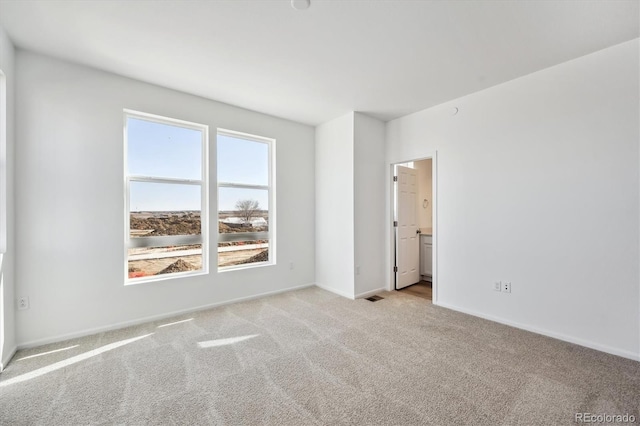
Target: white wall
{"x": 538, "y": 184}
{"x": 335, "y": 205}
{"x": 7, "y": 275}
{"x": 70, "y": 203}
{"x": 369, "y": 202}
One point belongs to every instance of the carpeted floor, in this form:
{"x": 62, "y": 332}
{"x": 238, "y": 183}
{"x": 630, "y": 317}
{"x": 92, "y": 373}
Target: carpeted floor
{"x": 309, "y": 357}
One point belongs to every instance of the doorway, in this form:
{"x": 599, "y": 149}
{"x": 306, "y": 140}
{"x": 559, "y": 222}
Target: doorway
{"x": 413, "y": 230}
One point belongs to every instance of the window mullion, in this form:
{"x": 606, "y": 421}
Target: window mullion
{"x": 164, "y": 241}
{"x": 242, "y": 186}
{"x": 153, "y": 179}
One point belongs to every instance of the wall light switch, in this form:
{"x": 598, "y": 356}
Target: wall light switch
{"x": 497, "y": 286}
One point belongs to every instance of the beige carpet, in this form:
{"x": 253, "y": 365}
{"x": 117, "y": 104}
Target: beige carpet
{"x": 309, "y": 357}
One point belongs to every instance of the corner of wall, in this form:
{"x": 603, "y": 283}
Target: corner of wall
{"x": 336, "y": 291}
{"x": 334, "y": 206}
{"x": 7, "y": 281}
{"x": 6, "y": 357}
{"x": 369, "y": 204}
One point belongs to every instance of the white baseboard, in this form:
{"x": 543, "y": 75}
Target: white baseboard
{"x": 559, "y": 336}
{"x": 88, "y": 332}
{"x": 369, "y": 293}
{"x": 5, "y": 361}
{"x": 338, "y": 292}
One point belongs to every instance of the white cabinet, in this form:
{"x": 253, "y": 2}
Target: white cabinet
{"x": 426, "y": 256}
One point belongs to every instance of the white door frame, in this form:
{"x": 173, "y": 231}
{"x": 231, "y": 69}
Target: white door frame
{"x": 433, "y": 155}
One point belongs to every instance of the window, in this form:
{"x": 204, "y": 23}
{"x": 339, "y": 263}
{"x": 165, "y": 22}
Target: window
{"x": 166, "y": 197}
{"x": 3, "y": 201}
{"x": 3, "y": 163}
{"x": 246, "y": 210}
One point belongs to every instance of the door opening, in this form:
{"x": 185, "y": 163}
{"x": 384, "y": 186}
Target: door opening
{"x": 413, "y": 236}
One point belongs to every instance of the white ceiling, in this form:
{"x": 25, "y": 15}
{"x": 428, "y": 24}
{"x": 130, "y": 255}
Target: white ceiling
{"x": 382, "y": 57}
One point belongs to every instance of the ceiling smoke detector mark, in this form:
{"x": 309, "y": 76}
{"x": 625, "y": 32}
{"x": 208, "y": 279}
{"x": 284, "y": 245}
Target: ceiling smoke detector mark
{"x": 374, "y": 298}
{"x": 300, "y": 4}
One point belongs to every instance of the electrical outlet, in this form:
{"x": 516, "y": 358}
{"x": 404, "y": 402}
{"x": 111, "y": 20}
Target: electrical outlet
{"x": 23, "y": 303}
{"x": 497, "y": 286}
{"x": 291, "y": 265}
{"x": 506, "y": 287}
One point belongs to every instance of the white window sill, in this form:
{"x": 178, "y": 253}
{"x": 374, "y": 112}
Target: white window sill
{"x": 164, "y": 277}
{"x": 245, "y": 266}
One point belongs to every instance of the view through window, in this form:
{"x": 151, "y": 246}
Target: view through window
{"x": 166, "y": 187}
{"x": 3, "y": 163}
{"x": 245, "y": 200}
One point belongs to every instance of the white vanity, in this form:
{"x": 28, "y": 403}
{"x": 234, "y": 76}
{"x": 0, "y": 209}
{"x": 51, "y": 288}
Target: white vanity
{"x": 426, "y": 256}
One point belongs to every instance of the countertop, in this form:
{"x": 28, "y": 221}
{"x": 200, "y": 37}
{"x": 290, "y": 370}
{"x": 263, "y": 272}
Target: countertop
{"x": 426, "y": 231}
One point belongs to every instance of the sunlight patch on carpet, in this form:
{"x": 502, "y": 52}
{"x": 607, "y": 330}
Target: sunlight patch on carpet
{"x": 67, "y": 362}
{"x": 175, "y": 322}
{"x": 47, "y": 353}
{"x": 223, "y": 342}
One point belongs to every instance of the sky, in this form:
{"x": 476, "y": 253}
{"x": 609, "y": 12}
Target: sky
{"x": 160, "y": 150}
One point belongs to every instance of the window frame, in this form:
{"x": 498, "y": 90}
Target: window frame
{"x": 3, "y": 162}
{"x": 270, "y": 235}
{"x": 167, "y": 240}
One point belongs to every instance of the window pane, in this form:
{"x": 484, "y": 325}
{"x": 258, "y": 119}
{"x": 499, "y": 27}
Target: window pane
{"x": 162, "y": 150}
{"x": 149, "y": 261}
{"x": 243, "y": 253}
{"x": 242, "y": 161}
{"x": 164, "y": 209}
{"x": 243, "y": 210}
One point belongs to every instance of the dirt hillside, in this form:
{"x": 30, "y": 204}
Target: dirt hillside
{"x": 178, "y": 266}
{"x": 263, "y": 256}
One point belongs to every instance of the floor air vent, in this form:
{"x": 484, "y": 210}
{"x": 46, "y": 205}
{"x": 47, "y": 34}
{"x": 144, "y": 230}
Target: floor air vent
{"x": 374, "y": 298}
